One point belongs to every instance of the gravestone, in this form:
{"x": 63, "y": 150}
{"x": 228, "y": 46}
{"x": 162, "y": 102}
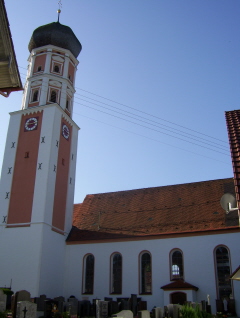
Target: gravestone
{"x": 73, "y": 306}
{"x": 170, "y": 310}
{"x": 203, "y": 302}
{"x": 176, "y": 310}
{"x": 134, "y": 304}
{"x": 208, "y": 309}
{"x": 124, "y": 304}
{"x": 26, "y": 309}
{"x": 21, "y": 295}
{"x": 166, "y": 313}
{"x": 3, "y": 301}
{"x": 141, "y": 305}
{"x": 157, "y": 312}
{"x": 84, "y": 308}
{"x": 124, "y": 314}
{"x": 143, "y": 314}
{"x": 50, "y": 308}
{"x": 113, "y": 307}
{"x": 40, "y": 302}
{"x": 103, "y": 306}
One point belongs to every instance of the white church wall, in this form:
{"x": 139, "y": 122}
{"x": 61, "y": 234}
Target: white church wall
{"x": 20, "y": 257}
{"x": 53, "y": 254}
{"x": 198, "y": 266}
{"x": 8, "y": 162}
{"x": 72, "y": 173}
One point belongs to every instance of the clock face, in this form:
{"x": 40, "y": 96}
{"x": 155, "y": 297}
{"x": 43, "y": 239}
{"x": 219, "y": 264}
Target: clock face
{"x": 31, "y": 124}
{"x": 65, "y": 131}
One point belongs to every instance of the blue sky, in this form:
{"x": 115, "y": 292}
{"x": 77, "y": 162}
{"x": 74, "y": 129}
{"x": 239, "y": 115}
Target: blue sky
{"x": 175, "y": 63}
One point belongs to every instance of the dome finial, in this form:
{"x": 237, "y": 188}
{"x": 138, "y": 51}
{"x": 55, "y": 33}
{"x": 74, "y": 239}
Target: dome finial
{"x": 59, "y": 8}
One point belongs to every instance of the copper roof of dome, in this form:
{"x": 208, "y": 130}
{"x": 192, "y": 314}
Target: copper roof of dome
{"x": 55, "y": 34}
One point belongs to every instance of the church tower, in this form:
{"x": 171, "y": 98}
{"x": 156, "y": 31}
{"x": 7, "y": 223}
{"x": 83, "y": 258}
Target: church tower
{"x": 38, "y": 173}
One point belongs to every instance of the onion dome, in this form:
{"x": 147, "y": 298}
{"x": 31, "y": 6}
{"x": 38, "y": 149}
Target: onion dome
{"x": 56, "y": 34}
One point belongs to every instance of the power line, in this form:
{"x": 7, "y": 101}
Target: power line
{"x": 153, "y": 116}
{"x": 144, "y": 121}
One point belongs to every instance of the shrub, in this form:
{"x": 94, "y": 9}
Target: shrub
{"x": 188, "y": 312}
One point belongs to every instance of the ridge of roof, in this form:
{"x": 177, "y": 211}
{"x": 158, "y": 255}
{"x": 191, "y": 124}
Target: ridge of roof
{"x": 152, "y": 188}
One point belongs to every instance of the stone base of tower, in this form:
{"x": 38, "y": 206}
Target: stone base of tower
{"x": 32, "y": 258}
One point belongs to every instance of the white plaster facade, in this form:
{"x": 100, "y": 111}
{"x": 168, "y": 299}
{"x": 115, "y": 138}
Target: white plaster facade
{"x": 199, "y": 267}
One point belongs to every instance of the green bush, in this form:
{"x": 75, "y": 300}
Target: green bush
{"x": 7, "y": 291}
{"x": 3, "y": 314}
{"x": 188, "y": 312}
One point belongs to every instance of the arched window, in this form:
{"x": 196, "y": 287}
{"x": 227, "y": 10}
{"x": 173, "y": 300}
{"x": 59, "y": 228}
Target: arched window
{"x": 145, "y": 273}
{"x": 116, "y": 274}
{"x": 223, "y": 271}
{"x": 35, "y": 95}
{"x": 176, "y": 263}
{"x": 53, "y": 96}
{"x": 88, "y": 275}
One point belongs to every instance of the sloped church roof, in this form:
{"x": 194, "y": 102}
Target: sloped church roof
{"x": 183, "y": 209}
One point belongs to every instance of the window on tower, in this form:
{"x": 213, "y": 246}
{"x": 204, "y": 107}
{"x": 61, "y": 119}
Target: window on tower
{"x": 57, "y": 68}
{"x": 34, "y": 97}
{"x": 53, "y": 96}
{"x": 68, "y": 104}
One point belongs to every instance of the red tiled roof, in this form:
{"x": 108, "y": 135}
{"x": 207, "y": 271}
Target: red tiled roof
{"x": 178, "y": 285}
{"x": 233, "y": 126}
{"x": 144, "y": 213}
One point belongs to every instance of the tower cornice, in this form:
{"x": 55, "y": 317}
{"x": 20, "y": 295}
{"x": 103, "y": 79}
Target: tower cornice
{"x": 36, "y": 109}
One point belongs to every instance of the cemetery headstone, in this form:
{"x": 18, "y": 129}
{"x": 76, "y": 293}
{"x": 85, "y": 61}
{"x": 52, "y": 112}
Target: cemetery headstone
{"x": 143, "y": 314}
{"x": 124, "y": 304}
{"x": 40, "y": 302}
{"x": 3, "y": 301}
{"x": 141, "y": 305}
{"x": 203, "y": 302}
{"x": 113, "y": 307}
{"x": 157, "y": 312}
{"x": 166, "y": 313}
{"x": 176, "y": 310}
{"x": 26, "y": 309}
{"x": 84, "y": 307}
{"x": 73, "y": 306}
{"x": 103, "y": 305}
{"x": 21, "y": 295}
{"x": 124, "y": 314}
{"x": 50, "y": 308}
{"x": 170, "y": 310}
{"x": 134, "y": 304}
{"x": 208, "y": 309}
